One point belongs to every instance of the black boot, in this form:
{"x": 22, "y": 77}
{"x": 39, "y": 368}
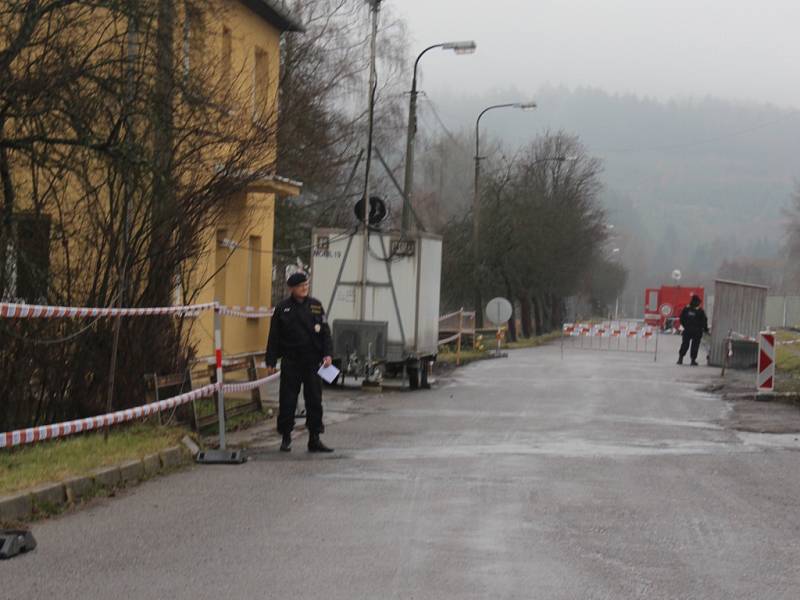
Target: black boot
{"x": 286, "y": 442}
{"x": 316, "y": 445}
{"x": 680, "y": 360}
{"x": 694, "y": 363}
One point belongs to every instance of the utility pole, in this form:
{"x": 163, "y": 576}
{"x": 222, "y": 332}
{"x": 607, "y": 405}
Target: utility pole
{"x": 375, "y": 6}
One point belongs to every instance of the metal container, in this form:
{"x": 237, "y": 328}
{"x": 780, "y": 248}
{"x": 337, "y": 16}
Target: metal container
{"x": 739, "y": 313}
{"x": 400, "y": 294}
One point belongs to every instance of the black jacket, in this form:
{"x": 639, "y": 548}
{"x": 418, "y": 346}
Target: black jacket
{"x": 299, "y": 331}
{"x": 694, "y": 320}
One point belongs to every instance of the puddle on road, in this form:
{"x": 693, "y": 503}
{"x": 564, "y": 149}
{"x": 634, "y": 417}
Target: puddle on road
{"x": 776, "y": 441}
{"x": 562, "y": 449}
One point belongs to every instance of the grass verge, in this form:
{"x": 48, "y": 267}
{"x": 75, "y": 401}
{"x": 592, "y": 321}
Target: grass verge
{"x": 787, "y": 362}
{"x": 57, "y": 460}
{"x": 448, "y": 354}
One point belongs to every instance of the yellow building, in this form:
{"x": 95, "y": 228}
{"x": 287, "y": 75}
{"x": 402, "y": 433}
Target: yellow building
{"x": 239, "y": 254}
{"x": 228, "y": 49}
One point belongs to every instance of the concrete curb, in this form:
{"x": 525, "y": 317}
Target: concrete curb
{"x": 50, "y": 497}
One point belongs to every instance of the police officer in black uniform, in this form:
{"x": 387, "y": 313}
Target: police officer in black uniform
{"x": 299, "y": 335}
{"x": 695, "y": 323}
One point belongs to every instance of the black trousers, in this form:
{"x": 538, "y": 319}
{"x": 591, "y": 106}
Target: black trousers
{"x": 293, "y": 375}
{"x": 694, "y": 340}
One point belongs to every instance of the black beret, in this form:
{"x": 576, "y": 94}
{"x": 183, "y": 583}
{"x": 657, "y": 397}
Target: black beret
{"x": 296, "y": 279}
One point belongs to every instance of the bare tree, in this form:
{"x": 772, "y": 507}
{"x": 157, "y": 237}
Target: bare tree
{"x": 542, "y": 230}
{"x": 792, "y": 268}
{"x": 323, "y": 118}
{"x": 121, "y": 143}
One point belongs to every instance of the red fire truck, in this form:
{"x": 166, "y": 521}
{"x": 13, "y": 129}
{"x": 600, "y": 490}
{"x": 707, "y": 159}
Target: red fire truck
{"x": 663, "y": 306}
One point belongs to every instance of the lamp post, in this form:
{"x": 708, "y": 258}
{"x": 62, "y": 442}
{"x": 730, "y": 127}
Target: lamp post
{"x": 476, "y": 202}
{"x": 616, "y": 252}
{"x": 467, "y": 47}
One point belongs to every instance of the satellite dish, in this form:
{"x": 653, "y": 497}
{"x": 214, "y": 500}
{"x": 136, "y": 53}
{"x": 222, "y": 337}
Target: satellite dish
{"x": 498, "y": 310}
{"x": 676, "y": 275}
{"x": 377, "y": 210}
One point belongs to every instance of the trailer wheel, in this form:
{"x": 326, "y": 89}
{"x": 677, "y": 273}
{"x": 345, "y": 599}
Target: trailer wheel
{"x": 412, "y": 370}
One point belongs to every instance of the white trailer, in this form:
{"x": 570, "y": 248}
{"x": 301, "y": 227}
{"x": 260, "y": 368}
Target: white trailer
{"x": 382, "y": 301}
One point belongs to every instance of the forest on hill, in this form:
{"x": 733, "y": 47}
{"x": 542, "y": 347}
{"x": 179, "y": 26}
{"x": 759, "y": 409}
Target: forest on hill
{"x": 700, "y": 185}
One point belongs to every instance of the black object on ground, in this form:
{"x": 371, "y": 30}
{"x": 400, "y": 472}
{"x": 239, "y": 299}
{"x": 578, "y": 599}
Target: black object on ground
{"x": 221, "y": 457}
{"x": 15, "y": 541}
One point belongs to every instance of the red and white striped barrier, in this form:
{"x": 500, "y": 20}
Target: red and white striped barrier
{"x": 448, "y": 315}
{"x": 607, "y": 331}
{"x": 34, "y": 311}
{"x": 58, "y": 430}
{"x": 620, "y": 336}
{"x": 246, "y": 386}
{"x": 741, "y": 336}
{"x": 10, "y": 310}
{"x": 765, "y": 378}
{"x": 246, "y": 312}
{"x": 452, "y": 338}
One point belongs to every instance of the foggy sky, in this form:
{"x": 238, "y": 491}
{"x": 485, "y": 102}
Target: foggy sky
{"x": 730, "y": 49}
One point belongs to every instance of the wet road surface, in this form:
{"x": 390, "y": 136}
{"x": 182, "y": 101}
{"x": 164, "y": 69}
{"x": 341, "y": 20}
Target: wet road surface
{"x": 599, "y": 475}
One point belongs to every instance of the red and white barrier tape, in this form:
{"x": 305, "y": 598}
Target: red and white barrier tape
{"x": 48, "y": 432}
{"x": 247, "y": 312}
{"x": 741, "y": 336}
{"x": 452, "y": 338}
{"x": 35, "y": 311}
{"x": 249, "y": 385}
{"x": 448, "y": 315}
{"x": 10, "y": 310}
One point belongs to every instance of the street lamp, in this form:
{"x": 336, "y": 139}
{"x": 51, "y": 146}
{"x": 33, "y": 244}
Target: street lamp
{"x": 476, "y": 201}
{"x": 615, "y": 251}
{"x": 467, "y": 47}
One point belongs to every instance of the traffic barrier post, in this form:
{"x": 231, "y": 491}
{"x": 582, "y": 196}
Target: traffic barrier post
{"x": 765, "y": 377}
{"x": 221, "y": 455}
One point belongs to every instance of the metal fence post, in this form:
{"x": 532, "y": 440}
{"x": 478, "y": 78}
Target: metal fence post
{"x": 222, "y": 455}
{"x": 458, "y": 342}
{"x": 656, "y": 334}
{"x": 220, "y": 376}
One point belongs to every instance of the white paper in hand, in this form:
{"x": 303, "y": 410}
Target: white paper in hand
{"x": 328, "y": 373}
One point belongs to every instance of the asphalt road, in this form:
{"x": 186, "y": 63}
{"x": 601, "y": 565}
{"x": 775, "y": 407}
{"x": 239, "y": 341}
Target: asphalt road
{"x": 599, "y": 475}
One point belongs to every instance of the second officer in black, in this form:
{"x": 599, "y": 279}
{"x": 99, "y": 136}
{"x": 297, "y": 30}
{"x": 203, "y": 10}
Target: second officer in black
{"x": 695, "y": 324}
{"x": 299, "y": 335}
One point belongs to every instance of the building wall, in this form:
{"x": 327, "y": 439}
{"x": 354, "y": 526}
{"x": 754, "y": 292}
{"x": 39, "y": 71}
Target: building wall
{"x": 247, "y": 48}
{"x": 238, "y": 262}
{"x": 239, "y": 251}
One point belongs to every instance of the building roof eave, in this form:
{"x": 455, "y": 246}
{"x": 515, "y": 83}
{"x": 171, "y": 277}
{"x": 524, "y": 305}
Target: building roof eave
{"x": 267, "y": 10}
{"x": 275, "y": 184}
